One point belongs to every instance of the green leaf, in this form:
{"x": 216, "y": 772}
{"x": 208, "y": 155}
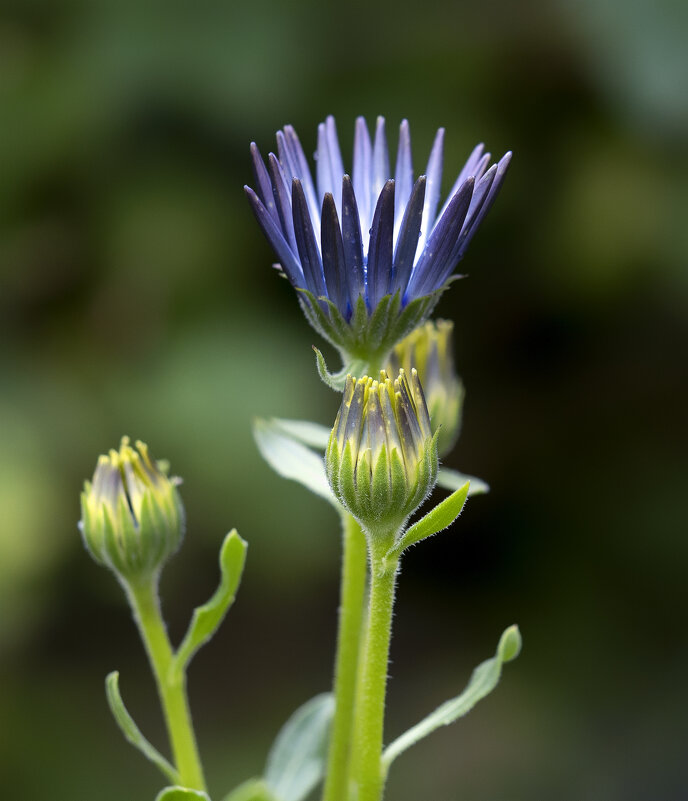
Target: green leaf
{"x": 452, "y": 480}
{"x": 314, "y": 435}
{"x": 181, "y": 794}
{"x": 291, "y": 459}
{"x": 484, "y": 679}
{"x": 208, "y": 617}
{"x": 443, "y": 515}
{"x": 296, "y": 763}
{"x": 131, "y": 731}
{"x": 251, "y": 790}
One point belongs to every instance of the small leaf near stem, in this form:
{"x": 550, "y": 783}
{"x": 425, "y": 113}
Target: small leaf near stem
{"x": 251, "y": 790}
{"x": 296, "y": 762}
{"x": 131, "y": 731}
{"x": 437, "y": 519}
{"x": 181, "y": 794}
{"x": 484, "y": 679}
{"x": 208, "y": 617}
{"x": 291, "y": 459}
{"x": 452, "y": 480}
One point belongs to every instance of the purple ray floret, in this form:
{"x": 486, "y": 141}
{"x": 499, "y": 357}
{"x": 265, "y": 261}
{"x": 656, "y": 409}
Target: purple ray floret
{"x": 378, "y": 234}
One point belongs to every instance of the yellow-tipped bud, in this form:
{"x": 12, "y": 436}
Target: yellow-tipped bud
{"x": 382, "y": 457}
{"x": 132, "y": 518}
{"x": 429, "y": 350}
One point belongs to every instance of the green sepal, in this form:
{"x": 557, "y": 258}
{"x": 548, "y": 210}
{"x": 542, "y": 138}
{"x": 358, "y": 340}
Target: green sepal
{"x": 131, "y": 731}
{"x": 363, "y": 508}
{"x": 251, "y": 790}
{"x": 398, "y": 474}
{"x": 177, "y": 793}
{"x": 291, "y": 459}
{"x": 345, "y": 469}
{"x": 452, "y": 480}
{"x": 296, "y": 762}
{"x": 207, "y": 618}
{"x": 366, "y": 338}
{"x": 437, "y": 519}
{"x": 336, "y": 381}
{"x": 484, "y": 679}
{"x": 381, "y": 489}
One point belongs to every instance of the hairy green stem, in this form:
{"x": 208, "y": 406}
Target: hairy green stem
{"x": 144, "y": 601}
{"x": 367, "y": 771}
{"x": 352, "y": 601}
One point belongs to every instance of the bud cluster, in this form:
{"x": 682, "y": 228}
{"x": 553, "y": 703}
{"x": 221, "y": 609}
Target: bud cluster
{"x": 382, "y": 457}
{"x": 132, "y": 518}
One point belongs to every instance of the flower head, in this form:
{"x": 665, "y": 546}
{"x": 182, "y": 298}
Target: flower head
{"x": 429, "y": 350}
{"x": 381, "y": 459}
{"x": 370, "y": 254}
{"x": 132, "y": 518}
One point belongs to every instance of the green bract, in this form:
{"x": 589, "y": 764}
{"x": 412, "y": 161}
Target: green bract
{"x": 429, "y": 350}
{"x": 132, "y": 518}
{"x": 382, "y": 457}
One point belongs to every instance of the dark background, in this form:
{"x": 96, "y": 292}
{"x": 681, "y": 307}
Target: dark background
{"x": 137, "y": 297}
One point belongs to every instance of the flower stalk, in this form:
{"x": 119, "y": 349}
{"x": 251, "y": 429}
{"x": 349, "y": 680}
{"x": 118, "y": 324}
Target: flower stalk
{"x": 367, "y": 773}
{"x": 351, "y": 610}
{"x": 145, "y": 604}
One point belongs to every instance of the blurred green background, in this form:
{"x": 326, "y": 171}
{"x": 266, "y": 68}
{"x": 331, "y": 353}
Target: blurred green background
{"x": 137, "y": 297}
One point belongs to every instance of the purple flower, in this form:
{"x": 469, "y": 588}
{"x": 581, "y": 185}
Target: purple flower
{"x": 371, "y": 247}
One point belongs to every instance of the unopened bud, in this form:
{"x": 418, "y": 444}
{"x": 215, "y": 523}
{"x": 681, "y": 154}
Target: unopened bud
{"x": 132, "y": 518}
{"x": 382, "y": 457}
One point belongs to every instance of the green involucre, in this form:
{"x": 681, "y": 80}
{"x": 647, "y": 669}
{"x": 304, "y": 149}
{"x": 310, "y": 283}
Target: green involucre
{"x": 381, "y": 457}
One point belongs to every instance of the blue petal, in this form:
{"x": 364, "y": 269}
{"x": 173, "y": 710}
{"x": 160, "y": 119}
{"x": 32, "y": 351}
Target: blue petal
{"x": 403, "y": 176}
{"x": 306, "y": 242}
{"x": 263, "y": 184}
{"x": 407, "y": 241}
{"x": 353, "y": 246}
{"x": 429, "y": 272}
{"x": 475, "y": 217}
{"x": 282, "y": 195}
{"x": 363, "y": 169}
{"x": 295, "y": 165}
{"x": 469, "y": 169}
{"x": 434, "y": 184}
{"x": 288, "y": 260}
{"x": 380, "y": 250}
{"x": 334, "y": 266}
{"x": 381, "y": 172}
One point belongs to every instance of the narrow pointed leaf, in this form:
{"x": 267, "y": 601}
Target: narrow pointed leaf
{"x": 292, "y": 460}
{"x": 312, "y": 434}
{"x": 208, "y": 617}
{"x": 484, "y": 679}
{"x": 439, "y": 518}
{"x": 131, "y": 731}
{"x": 181, "y": 794}
{"x": 452, "y": 480}
{"x": 296, "y": 763}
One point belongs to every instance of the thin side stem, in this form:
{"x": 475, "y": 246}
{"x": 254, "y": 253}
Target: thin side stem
{"x": 145, "y": 604}
{"x": 370, "y": 699}
{"x": 352, "y": 602}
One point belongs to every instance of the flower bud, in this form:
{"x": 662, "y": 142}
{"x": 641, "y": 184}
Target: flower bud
{"x": 132, "y": 518}
{"x": 382, "y": 457}
{"x": 429, "y": 350}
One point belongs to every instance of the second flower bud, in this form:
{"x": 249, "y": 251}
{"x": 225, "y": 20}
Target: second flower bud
{"x": 382, "y": 457}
